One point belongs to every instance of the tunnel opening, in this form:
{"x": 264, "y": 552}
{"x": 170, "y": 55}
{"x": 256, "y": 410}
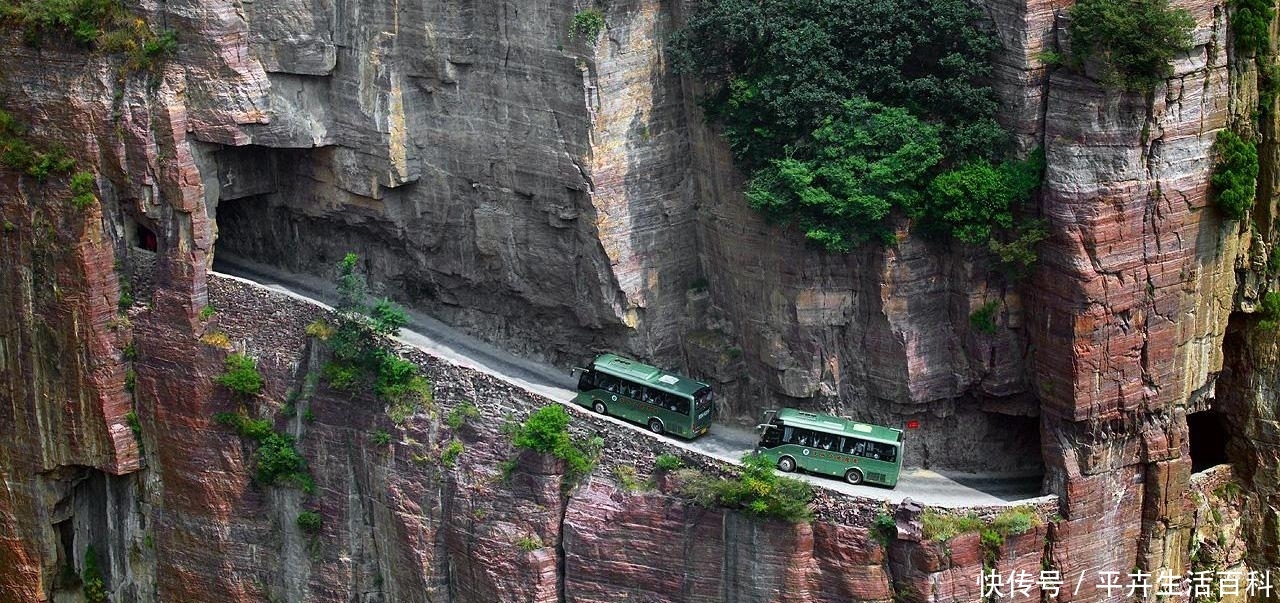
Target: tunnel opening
{"x": 975, "y": 441}
{"x": 145, "y": 238}
{"x": 1208, "y": 434}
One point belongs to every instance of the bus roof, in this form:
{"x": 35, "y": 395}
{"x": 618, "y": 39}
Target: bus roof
{"x": 652, "y": 376}
{"x": 838, "y": 425}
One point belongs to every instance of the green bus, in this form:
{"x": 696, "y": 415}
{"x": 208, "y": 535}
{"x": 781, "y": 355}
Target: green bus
{"x": 634, "y": 391}
{"x": 818, "y": 443}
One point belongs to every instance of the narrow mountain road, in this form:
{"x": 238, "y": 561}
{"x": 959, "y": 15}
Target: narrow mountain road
{"x": 944, "y": 489}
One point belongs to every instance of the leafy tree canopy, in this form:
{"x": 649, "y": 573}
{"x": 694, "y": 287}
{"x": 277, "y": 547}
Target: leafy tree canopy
{"x": 1135, "y": 41}
{"x": 843, "y": 111}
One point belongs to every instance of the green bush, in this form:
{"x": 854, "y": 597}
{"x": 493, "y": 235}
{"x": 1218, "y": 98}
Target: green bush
{"x": 103, "y": 25}
{"x": 131, "y": 418}
{"x": 458, "y": 416}
{"x": 1235, "y": 175}
{"x": 547, "y": 431}
{"x": 1015, "y": 521}
{"x": 241, "y": 375}
{"x": 976, "y": 200}
{"x": 885, "y": 528}
{"x": 207, "y": 312}
{"x": 278, "y": 460}
{"x": 626, "y": 476}
{"x": 529, "y": 543}
{"x": 841, "y": 114}
{"x": 667, "y": 462}
{"x": 1251, "y": 22}
{"x": 453, "y": 450}
{"x": 82, "y": 190}
{"x": 864, "y": 161}
{"x": 309, "y": 522}
{"x": 1270, "y": 311}
{"x": 943, "y": 526}
{"x": 91, "y": 583}
{"x": 758, "y": 491}
{"x": 983, "y": 320}
{"x": 381, "y": 437}
{"x": 587, "y": 25}
{"x": 1134, "y": 41}
{"x": 341, "y": 376}
{"x": 1016, "y": 250}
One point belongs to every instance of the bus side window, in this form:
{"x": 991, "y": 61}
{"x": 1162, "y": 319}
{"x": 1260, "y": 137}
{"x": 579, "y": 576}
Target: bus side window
{"x": 788, "y": 435}
{"x": 587, "y": 381}
{"x": 609, "y": 383}
{"x": 859, "y": 448}
{"x": 682, "y": 405}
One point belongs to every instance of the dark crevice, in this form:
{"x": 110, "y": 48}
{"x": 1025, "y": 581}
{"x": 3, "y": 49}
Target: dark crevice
{"x": 1208, "y": 436}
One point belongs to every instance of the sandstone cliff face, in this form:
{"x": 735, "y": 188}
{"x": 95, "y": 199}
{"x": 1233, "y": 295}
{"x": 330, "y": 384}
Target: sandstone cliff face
{"x": 564, "y": 198}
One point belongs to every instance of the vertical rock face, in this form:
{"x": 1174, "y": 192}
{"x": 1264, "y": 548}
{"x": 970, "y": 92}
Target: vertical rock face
{"x": 562, "y": 196}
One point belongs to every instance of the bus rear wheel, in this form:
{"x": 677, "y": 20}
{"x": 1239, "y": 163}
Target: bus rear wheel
{"x": 853, "y": 476}
{"x": 786, "y": 464}
{"x": 598, "y": 407}
{"x": 655, "y": 426}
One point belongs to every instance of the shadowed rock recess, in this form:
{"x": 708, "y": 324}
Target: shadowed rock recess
{"x": 561, "y": 198}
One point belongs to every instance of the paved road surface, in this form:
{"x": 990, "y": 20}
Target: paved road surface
{"x": 946, "y": 489}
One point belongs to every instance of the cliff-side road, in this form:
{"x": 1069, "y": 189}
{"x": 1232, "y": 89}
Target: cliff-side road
{"x": 945, "y": 489}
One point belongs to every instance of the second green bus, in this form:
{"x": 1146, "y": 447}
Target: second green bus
{"x": 818, "y": 443}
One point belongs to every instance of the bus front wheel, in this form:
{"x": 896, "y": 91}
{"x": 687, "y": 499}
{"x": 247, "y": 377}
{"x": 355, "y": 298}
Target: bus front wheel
{"x": 598, "y": 407}
{"x": 853, "y": 476}
{"x": 786, "y": 464}
{"x": 655, "y": 426}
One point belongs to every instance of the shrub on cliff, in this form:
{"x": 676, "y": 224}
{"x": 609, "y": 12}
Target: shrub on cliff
{"x": 547, "y": 431}
{"x": 103, "y": 25}
{"x": 1133, "y": 41}
{"x": 587, "y": 25}
{"x": 241, "y": 375}
{"x": 758, "y": 491}
{"x": 91, "y": 583}
{"x": 359, "y": 342}
{"x": 1270, "y": 312}
{"x": 842, "y": 112}
{"x": 1235, "y": 175}
{"x": 1251, "y": 22}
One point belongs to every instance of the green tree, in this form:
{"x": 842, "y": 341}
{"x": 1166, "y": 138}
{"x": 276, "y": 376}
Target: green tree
{"x": 241, "y": 375}
{"x": 841, "y": 111}
{"x": 1251, "y": 22}
{"x": 1134, "y": 41}
{"x": 863, "y": 162}
{"x": 976, "y": 200}
{"x": 1235, "y": 175}
{"x": 547, "y": 431}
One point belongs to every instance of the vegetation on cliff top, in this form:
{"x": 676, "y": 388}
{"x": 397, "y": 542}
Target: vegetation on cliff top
{"x": 1133, "y": 41}
{"x": 547, "y": 431}
{"x": 587, "y": 25}
{"x": 1251, "y": 23}
{"x": 758, "y": 491}
{"x": 360, "y": 342}
{"x": 848, "y": 113}
{"x": 103, "y": 25}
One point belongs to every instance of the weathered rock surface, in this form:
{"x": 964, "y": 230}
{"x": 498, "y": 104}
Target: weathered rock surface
{"x": 564, "y": 198}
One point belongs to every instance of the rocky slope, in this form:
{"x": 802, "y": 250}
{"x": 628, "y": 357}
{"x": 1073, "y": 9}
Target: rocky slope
{"x": 562, "y": 198}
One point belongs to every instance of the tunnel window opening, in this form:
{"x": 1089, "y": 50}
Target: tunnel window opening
{"x": 1208, "y": 434}
{"x": 146, "y": 239}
